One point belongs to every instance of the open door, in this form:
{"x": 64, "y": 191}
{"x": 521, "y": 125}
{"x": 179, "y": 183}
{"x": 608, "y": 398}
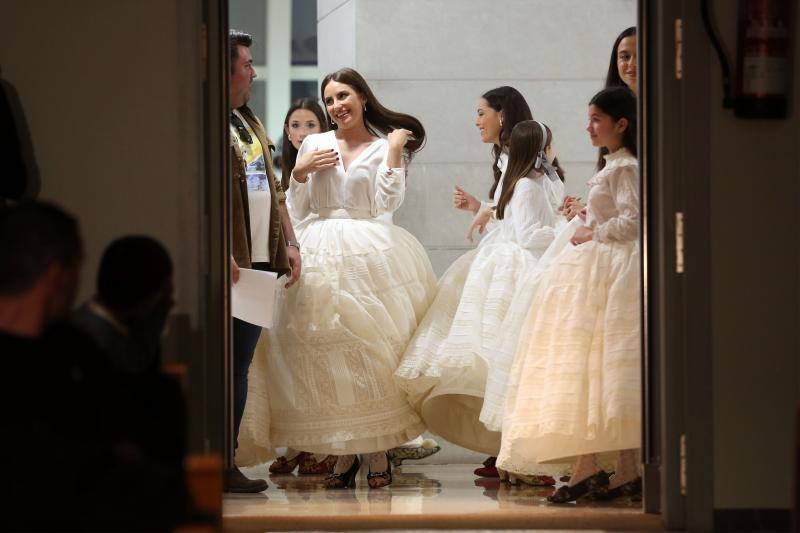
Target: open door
{"x": 677, "y": 439}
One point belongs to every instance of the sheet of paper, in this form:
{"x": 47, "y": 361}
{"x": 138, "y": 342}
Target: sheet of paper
{"x": 253, "y": 297}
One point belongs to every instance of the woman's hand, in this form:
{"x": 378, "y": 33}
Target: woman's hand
{"x": 314, "y": 161}
{"x": 479, "y": 221}
{"x": 398, "y": 138}
{"x": 464, "y": 200}
{"x": 573, "y": 207}
{"x": 582, "y": 234}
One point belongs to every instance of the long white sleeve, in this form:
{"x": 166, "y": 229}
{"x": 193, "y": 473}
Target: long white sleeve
{"x": 624, "y": 187}
{"x": 390, "y": 189}
{"x": 297, "y": 199}
{"x": 532, "y": 216}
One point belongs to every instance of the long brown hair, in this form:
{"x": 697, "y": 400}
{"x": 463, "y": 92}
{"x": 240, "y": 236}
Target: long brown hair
{"x": 524, "y": 147}
{"x": 613, "y": 78}
{"x": 289, "y": 152}
{"x": 377, "y": 118}
{"x": 515, "y": 109}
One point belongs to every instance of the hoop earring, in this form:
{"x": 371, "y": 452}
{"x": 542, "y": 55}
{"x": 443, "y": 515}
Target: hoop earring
{"x": 501, "y": 122}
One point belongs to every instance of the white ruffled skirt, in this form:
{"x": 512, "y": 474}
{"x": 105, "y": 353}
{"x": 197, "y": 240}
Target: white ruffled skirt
{"x": 322, "y": 379}
{"x": 575, "y": 383}
{"x": 453, "y": 370}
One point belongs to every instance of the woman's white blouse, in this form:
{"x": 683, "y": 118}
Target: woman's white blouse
{"x": 612, "y": 209}
{"x": 529, "y": 219}
{"x": 368, "y": 185}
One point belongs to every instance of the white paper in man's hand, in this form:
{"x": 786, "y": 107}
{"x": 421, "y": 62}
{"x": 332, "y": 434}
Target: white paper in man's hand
{"x": 253, "y": 297}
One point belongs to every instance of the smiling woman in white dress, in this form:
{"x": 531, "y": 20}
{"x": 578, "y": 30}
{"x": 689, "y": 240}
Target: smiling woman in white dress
{"x": 575, "y": 385}
{"x": 327, "y": 384}
{"x": 447, "y": 362}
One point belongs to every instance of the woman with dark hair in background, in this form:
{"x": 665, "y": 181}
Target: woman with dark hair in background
{"x": 303, "y": 118}
{"x": 622, "y": 69}
{"x": 366, "y": 283}
{"x": 575, "y": 385}
{"x": 499, "y": 110}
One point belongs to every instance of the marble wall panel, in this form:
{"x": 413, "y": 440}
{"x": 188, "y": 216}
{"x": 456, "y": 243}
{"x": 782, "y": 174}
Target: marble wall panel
{"x": 498, "y": 40}
{"x": 336, "y": 35}
{"x": 326, "y": 7}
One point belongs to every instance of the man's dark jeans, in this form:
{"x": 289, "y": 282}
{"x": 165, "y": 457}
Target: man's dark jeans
{"x": 245, "y": 338}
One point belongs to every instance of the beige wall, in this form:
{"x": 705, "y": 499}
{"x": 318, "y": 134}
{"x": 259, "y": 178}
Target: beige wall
{"x": 755, "y": 186}
{"x": 112, "y": 94}
{"x": 443, "y": 54}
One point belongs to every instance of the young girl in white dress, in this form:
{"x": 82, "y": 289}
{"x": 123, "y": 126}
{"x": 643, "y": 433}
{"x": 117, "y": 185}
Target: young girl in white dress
{"x": 327, "y": 381}
{"x": 445, "y": 366}
{"x": 575, "y": 384}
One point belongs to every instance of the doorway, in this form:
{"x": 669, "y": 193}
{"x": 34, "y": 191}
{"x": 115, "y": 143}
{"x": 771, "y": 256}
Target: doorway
{"x": 664, "y": 434}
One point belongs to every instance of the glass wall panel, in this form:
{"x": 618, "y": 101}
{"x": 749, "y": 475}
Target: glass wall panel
{"x": 304, "y": 32}
{"x": 304, "y": 89}
{"x": 251, "y": 16}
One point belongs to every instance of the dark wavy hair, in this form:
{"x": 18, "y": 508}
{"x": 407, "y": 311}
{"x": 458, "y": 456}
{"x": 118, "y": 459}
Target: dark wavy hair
{"x": 236, "y": 38}
{"x": 618, "y": 103}
{"x": 377, "y": 118}
{"x": 132, "y": 269}
{"x": 515, "y": 109}
{"x": 33, "y": 237}
{"x": 612, "y": 78}
{"x": 289, "y": 152}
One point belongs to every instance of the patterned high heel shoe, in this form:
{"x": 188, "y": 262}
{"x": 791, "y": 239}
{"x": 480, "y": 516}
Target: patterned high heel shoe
{"x": 594, "y": 486}
{"x": 310, "y": 466}
{"x": 376, "y": 480}
{"x": 282, "y": 465}
{"x": 400, "y": 454}
{"x": 632, "y": 489}
{"x": 536, "y": 480}
{"x": 344, "y": 480}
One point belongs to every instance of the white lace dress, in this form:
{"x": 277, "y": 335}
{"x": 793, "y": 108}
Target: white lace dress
{"x": 445, "y": 366}
{"x": 575, "y": 383}
{"x": 322, "y": 380}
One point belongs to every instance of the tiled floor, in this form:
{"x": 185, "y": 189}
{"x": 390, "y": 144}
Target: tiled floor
{"x": 421, "y": 497}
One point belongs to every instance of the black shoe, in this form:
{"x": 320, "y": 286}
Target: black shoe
{"x": 376, "y": 480}
{"x": 236, "y": 482}
{"x": 345, "y": 480}
{"x": 594, "y": 486}
{"x": 632, "y": 489}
